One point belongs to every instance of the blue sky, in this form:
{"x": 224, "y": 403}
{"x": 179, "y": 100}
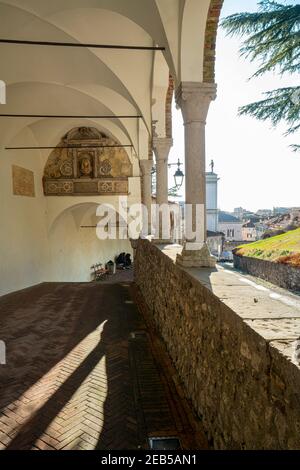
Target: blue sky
{"x": 257, "y": 169}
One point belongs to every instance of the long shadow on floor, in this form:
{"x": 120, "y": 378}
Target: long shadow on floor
{"x": 40, "y": 326}
{"x": 68, "y": 313}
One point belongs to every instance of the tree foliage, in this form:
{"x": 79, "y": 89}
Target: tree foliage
{"x": 274, "y": 40}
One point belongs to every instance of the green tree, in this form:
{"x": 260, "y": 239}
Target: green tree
{"x": 273, "y": 38}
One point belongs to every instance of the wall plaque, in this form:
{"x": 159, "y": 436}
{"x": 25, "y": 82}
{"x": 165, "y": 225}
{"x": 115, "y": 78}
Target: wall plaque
{"x": 23, "y": 181}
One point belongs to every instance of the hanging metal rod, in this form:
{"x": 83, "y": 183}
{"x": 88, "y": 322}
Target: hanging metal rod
{"x": 75, "y": 44}
{"x": 69, "y": 116}
{"x": 68, "y": 147}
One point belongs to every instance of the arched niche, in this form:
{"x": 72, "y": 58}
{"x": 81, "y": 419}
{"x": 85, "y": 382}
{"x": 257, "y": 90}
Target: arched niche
{"x": 75, "y": 245}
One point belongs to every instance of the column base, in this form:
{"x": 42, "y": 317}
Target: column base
{"x": 199, "y": 258}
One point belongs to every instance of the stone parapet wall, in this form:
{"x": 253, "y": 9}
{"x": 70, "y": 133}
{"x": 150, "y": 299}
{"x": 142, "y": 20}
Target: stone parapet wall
{"x": 243, "y": 387}
{"x": 281, "y": 275}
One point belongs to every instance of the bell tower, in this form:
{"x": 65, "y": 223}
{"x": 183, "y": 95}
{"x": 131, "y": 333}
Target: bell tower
{"x": 212, "y": 199}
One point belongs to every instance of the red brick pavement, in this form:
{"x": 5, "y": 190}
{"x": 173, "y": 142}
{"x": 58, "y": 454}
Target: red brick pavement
{"x": 76, "y": 378}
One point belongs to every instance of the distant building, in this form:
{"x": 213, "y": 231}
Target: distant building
{"x": 238, "y": 212}
{"x": 212, "y": 201}
{"x": 231, "y": 226}
{"x": 264, "y": 212}
{"x": 249, "y": 232}
{"x": 215, "y": 242}
{"x": 261, "y": 228}
{"x": 243, "y": 214}
{"x": 248, "y": 215}
{"x": 215, "y": 238}
{"x": 285, "y": 221}
{"x": 281, "y": 210}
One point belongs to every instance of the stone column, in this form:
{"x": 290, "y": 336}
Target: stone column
{"x": 161, "y": 147}
{"x": 146, "y": 167}
{"x": 194, "y": 99}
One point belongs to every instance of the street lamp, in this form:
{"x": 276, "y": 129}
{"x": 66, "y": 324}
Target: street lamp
{"x": 178, "y": 175}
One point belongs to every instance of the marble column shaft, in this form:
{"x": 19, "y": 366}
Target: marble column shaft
{"x": 161, "y": 147}
{"x": 194, "y": 99}
{"x": 146, "y": 183}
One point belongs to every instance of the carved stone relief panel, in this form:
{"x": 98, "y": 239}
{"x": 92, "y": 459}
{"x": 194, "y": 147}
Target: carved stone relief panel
{"x": 92, "y": 162}
{"x": 104, "y": 168}
{"x": 59, "y": 187}
{"x": 85, "y": 187}
{"x": 85, "y": 163}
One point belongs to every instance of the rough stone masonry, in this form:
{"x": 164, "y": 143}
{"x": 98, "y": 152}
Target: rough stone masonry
{"x": 232, "y": 356}
{"x": 282, "y": 275}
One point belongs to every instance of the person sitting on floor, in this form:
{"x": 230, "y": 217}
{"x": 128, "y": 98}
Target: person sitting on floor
{"x": 128, "y": 260}
{"x": 121, "y": 261}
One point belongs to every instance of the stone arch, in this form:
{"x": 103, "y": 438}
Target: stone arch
{"x": 49, "y": 132}
{"x": 198, "y": 40}
{"x": 210, "y": 40}
{"x": 61, "y": 98}
{"x": 87, "y": 205}
{"x": 105, "y": 68}
{"x": 160, "y": 84}
{"x": 169, "y": 99}
{"x": 74, "y": 246}
{"x": 86, "y": 210}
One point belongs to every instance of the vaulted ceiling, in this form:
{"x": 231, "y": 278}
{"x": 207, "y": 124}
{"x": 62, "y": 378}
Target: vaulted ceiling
{"x": 89, "y": 81}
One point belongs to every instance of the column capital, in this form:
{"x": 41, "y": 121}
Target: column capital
{"x": 146, "y": 166}
{"x": 194, "y": 99}
{"x": 161, "y": 147}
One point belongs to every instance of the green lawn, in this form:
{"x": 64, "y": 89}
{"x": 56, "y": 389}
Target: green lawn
{"x": 284, "y": 248}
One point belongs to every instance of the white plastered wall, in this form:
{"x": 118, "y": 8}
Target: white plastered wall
{"x": 75, "y": 247}
{"x": 24, "y": 250}
{"x": 42, "y": 238}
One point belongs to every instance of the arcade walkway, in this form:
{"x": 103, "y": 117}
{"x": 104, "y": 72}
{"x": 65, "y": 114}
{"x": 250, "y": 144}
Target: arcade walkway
{"x": 82, "y": 372}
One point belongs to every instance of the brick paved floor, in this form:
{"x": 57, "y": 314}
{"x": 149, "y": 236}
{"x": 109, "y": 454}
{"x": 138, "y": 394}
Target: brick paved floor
{"x": 76, "y": 376}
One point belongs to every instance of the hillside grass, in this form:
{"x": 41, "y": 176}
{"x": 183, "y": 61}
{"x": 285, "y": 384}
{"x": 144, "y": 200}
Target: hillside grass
{"x": 284, "y": 248}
